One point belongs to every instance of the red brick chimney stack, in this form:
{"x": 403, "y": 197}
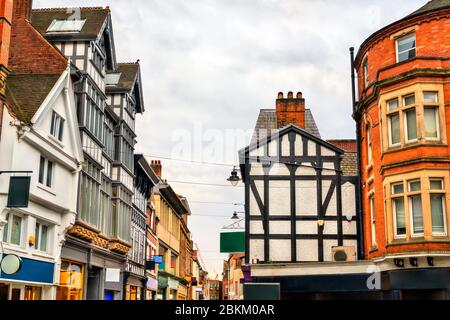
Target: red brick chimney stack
{"x": 157, "y": 167}
{"x": 22, "y": 9}
{"x": 290, "y": 110}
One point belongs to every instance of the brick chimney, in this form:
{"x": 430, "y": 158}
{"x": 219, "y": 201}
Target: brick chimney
{"x": 22, "y": 9}
{"x": 290, "y": 110}
{"x": 157, "y": 167}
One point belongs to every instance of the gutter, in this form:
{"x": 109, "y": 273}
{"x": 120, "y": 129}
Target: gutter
{"x": 360, "y": 227}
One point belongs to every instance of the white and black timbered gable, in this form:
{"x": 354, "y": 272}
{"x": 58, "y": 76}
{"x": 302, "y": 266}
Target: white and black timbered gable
{"x": 299, "y": 205}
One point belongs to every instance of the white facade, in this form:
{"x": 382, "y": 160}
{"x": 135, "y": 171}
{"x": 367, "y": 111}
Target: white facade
{"x": 299, "y": 204}
{"x": 53, "y": 191}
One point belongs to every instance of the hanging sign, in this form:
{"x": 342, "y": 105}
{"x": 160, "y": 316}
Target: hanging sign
{"x": 232, "y": 242}
{"x": 19, "y": 192}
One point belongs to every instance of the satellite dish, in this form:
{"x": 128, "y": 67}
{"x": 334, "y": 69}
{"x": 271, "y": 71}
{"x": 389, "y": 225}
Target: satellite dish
{"x": 11, "y": 264}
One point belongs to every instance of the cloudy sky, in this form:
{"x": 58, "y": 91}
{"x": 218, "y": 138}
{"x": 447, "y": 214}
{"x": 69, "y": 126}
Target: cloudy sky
{"x": 209, "y": 66}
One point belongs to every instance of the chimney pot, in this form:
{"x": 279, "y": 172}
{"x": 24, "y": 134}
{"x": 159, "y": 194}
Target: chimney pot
{"x": 290, "y": 95}
{"x": 299, "y": 95}
{"x": 280, "y": 95}
{"x": 22, "y": 9}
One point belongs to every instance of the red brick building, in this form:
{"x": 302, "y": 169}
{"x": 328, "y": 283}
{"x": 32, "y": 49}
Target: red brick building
{"x": 403, "y": 91}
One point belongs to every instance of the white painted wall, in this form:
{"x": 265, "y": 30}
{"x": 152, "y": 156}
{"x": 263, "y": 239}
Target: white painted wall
{"x": 55, "y": 206}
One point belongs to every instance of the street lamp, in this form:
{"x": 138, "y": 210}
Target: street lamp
{"x": 234, "y": 178}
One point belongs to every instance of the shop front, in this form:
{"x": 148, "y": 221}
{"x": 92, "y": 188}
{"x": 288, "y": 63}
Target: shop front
{"x": 173, "y": 287}
{"x": 163, "y": 283}
{"x": 89, "y": 273}
{"x": 134, "y": 288}
{"x": 34, "y": 281}
{"x": 182, "y": 293}
{"x": 152, "y": 288}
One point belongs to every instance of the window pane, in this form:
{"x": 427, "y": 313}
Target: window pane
{"x": 431, "y": 123}
{"x": 44, "y": 235}
{"x": 407, "y": 43}
{"x": 395, "y": 129}
{"x": 5, "y": 229}
{"x": 430, "y": 96}
{"x": 36, "y": 236}
{"x": 416, "y": 207}
{"x": 397, "y": 188}
{"x": 16, "y": 230}
{"x": 41, "y": 170}
{"x": 392, "y": 105}
{"x": 399, "y": 207}
{"x": 411, "y": 124}
{"x": 437, "y": 213}
{"x": 409, "y": 100}
{"x": 52, "y": 127}
{"x": 436, "y": 185}
{"x": 61, "y": 129}
{"x": 414, "y": 186}
{"x": 49, "y": 174}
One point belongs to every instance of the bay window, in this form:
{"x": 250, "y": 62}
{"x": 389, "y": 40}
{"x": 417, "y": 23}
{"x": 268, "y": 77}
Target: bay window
{"x": 369, "y": 144}
{"x": 413, "y": 117}
{"x": 417, "y": 205}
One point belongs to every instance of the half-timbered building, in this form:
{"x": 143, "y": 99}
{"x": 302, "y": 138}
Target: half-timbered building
{"x": 108, "y": 97}
{"x": 300, "y": 201}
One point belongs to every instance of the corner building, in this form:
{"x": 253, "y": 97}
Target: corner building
{"x": 404, "y": 91}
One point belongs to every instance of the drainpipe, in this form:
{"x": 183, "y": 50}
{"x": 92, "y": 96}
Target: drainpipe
{"x": 357, "y": 119}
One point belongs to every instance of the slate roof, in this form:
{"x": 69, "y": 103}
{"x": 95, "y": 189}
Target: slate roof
{"x": 95, "y": 19}
{"x": 349, "y": 162}
{"x": 266, "y": 124}
{"x": 431, "y": 6}
{"x": 24, "y": 97}
{"x": 128, "y": 74}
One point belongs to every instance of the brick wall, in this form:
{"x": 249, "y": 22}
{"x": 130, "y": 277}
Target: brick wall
{"x": 385, "y": 75}
{"x": 30, "y": 52}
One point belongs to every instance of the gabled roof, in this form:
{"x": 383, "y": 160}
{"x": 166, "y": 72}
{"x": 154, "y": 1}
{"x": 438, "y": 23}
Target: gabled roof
{"x": 24, "y": 97}
{"x": 266, "y": 124}
{"x": 282, "y": 132}
{"x": 130, "y": 78}
{"x": 95, "y": 20}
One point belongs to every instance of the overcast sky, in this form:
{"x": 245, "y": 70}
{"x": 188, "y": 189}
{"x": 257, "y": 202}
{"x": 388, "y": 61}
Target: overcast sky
{"x": 208, "y": 66}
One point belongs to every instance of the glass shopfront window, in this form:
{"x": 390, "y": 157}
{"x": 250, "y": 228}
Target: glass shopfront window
{"x": 33, "y": 293}
{"x": 133, "y": 293}
{"x": 71, "y": 281}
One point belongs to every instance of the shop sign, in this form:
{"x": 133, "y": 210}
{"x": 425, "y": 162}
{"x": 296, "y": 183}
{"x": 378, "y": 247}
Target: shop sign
{"x": 173, "y": 284}
{"x": 112, "y": 275}
{"x": 152, "y": 284}
{"x": 163, "y": 281}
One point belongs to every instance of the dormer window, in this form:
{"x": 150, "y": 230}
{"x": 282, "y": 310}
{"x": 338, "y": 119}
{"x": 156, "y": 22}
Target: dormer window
{"x": 406, "y": 47}
{"x": 112, "y": 79}
{"x": 72, "y": 25}
{"x": 57, "y": 126}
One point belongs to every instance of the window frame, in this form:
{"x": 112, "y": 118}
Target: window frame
{"x": 436, "y": 107}
{"x": 48, "y": 179}
{"x": 373, "y": 232}
{"x": 8, "y": 229}
{"x": 38, "y": 239}
{"x": 394, "y": 197}
{"x": 441, "y": 192}
{"x": 398, "y": 53}
{"x": 57, "y": 126}
{"x": 389, "y": 115}
{"x": 410, "y": 194}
